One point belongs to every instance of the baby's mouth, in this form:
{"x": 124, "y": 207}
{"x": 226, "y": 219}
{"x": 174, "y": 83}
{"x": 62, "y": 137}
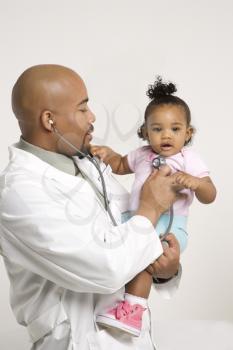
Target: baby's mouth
{"x": 166, "y": 146}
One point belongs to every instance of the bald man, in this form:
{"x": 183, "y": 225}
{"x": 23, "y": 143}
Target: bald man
{"x": 52, "y": 93}
{"x": 67, "y": 254}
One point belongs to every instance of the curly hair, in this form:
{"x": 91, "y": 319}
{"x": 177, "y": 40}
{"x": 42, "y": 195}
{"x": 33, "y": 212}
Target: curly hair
{"x": 161, "y": 93}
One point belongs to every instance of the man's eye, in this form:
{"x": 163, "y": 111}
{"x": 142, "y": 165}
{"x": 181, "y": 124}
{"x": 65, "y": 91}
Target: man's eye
{"x": 84, "y": 110}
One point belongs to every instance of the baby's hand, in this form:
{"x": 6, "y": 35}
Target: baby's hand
{"x": 188, "y": 181}
{"x": 103, "y": 152}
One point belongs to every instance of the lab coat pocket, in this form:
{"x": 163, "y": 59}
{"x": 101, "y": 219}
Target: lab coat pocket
{"x": 53, "y": 320}
{"x": 110, "y": 339}
{"x": 117, "y": 340}
{"x": 105, "y": 339}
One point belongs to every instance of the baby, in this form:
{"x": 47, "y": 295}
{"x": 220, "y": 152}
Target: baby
{"x": 167, "y": 129}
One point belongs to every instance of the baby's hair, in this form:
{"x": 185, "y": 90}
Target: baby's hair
{"x": 161, "y": 93}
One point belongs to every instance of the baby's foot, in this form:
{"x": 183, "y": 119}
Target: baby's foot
{"x": 124, "y": 316}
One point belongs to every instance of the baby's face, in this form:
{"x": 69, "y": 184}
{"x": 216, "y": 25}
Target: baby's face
{"x": 167, "y": 129}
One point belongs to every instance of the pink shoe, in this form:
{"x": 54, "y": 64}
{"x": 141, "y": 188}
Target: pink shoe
{"x": 123, "y": 316}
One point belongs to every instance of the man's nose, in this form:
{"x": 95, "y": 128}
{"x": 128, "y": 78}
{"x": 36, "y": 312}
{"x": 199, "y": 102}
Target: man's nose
{"x": 91, "y": 116}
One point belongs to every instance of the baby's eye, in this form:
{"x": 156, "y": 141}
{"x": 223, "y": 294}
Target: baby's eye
{"x": 156, "y": 129}
{"x": 175, "y": 129}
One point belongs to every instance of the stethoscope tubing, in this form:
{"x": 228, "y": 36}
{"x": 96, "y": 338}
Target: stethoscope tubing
{"x": 94, "y": 162}
{"x": 159, "y": 162}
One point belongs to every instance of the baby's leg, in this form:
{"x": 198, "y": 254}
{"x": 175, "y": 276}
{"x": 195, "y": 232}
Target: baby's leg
{"x": 178, "y": 228}
{"x": 127, "y": 315}
{"x": 140, "y": 286}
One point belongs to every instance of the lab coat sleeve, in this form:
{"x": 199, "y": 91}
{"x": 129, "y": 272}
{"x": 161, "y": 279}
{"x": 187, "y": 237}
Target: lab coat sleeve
{"x": 169, "y": 288}
{"x": 56, "y": 239}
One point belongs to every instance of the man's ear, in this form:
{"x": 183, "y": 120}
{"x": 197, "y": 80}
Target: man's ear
{"x": 47, "y": 120}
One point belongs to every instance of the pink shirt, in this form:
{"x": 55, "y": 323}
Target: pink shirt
{"x": 187, "y": 160}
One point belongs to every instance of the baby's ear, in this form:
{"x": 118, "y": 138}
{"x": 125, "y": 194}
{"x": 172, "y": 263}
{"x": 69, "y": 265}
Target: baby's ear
{"x": 142, "y": 132}
{"x": 189, "y": 133}
{"x": 145, "y": 133}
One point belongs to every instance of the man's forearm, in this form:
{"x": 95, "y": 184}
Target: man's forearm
{"x": 150, "y": 213}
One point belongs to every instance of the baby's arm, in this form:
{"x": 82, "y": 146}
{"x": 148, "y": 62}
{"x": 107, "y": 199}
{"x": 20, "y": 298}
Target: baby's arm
{"x": 118, "y": 163}
{"x": 203, "y": 187}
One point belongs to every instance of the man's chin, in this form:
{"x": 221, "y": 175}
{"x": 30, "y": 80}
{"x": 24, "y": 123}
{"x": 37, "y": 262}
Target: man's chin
{"x": 86, "y": 148}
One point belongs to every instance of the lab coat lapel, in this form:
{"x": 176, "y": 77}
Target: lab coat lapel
{"x": 89, "y": 170}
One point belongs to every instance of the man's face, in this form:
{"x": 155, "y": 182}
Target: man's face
{"x": 74, "y": 119}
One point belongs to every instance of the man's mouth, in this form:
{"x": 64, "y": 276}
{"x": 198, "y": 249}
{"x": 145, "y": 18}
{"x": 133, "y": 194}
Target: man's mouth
{"x": 90, "y": 131}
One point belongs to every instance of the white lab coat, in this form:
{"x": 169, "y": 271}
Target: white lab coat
{"x": 65, "y": 259}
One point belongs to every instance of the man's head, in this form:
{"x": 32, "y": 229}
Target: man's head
{"x": 46, "y": 93}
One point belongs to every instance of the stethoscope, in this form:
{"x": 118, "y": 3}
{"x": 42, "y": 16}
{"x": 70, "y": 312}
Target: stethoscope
{"x": 156, "y": 163}
{"x": 96, "y": 165}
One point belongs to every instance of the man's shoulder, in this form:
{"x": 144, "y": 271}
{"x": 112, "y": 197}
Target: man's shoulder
{"x": 21, "y": 172}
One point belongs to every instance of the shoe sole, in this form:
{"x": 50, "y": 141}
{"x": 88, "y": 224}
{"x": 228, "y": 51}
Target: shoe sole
{"x": 109, "y": 322}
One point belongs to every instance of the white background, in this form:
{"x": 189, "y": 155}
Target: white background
{"x": 119, "y": 47}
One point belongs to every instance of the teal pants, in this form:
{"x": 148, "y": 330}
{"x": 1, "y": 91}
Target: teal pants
{"x": 178, "y": 227}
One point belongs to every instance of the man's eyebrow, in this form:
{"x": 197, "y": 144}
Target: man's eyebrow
{"x": 83, "y": 101}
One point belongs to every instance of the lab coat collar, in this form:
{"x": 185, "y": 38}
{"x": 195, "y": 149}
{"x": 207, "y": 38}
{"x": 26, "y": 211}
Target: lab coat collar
{"x": 89, "y": 170}
{"x": 28, "y": 161}
{"x": 34, "y": 164}
{"x": 59, "y": 161}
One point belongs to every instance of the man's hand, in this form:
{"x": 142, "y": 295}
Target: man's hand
{"x": 158, "y": 193}
{"x": 167, "y": 265}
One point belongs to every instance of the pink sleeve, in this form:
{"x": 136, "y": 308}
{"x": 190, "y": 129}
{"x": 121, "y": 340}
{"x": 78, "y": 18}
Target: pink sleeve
{"x": 194, "y": 165}
{"x": 133, "y": 158}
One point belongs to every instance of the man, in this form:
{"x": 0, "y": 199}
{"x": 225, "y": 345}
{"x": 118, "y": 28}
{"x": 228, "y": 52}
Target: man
{"x": 64, "y": 254}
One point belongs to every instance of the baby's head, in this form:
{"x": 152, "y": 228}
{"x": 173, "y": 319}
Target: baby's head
{"x": 167, "y": 122}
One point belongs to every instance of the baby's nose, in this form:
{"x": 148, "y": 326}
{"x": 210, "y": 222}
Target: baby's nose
{"x": 166, "y": 133}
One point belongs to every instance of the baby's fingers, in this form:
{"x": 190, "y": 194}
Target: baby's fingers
{"x": 180, "y": 180}
{"x": 97, "y": 150}
{"x": 94, "y": 148}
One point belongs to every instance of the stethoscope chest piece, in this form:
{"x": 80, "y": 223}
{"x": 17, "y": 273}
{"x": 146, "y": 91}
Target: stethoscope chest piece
{"x": 158, "y": 162}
